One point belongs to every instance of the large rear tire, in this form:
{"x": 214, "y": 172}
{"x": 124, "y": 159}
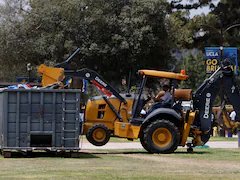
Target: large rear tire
{"x": 161, "y": 136}
{"x": 98, "y": 134}
{"x": 144, "y": 145}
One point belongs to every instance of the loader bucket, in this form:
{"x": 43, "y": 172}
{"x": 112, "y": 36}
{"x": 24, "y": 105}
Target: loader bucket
{"x": 50, "y": 75}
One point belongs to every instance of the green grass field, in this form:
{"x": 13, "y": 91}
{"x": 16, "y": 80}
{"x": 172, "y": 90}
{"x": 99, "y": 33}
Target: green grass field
{"x": 127, "y": 164}
{"x": 223, "y": 139}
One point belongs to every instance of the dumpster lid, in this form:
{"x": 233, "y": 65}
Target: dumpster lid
{"x": 40, "y": 90}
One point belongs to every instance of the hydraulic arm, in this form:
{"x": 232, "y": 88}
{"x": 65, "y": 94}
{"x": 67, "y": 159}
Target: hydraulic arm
{"x": 96, "y": 80}
{"x": 204, "y": 96}
{"x": 51, "y": 75}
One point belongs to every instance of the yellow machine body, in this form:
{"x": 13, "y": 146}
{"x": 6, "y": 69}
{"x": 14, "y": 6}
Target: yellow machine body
{"x": 126, "y": 130}
{"x": 163, "y": 74}
{"x": 50, "y": 75}
{"x": 98, "y": 111}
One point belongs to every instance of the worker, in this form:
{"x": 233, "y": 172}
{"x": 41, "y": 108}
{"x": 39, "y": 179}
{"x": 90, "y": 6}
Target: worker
{"x": 161, "y": 101}
{"x": 123, "y": 88}
{"x": 233, "y": 115}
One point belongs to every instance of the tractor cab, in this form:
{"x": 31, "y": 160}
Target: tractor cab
{"x": 173, "y": 78}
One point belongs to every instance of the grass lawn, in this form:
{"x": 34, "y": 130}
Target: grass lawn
{"x": 223, "y": 139}
{"x": 124, "y": 164}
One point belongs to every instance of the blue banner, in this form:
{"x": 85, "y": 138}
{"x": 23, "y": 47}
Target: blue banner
{"x": 213, "y": 55}
{"x": 85, "y": 87}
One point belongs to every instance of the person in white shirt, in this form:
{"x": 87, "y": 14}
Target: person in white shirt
{"x": 233, "y": 115}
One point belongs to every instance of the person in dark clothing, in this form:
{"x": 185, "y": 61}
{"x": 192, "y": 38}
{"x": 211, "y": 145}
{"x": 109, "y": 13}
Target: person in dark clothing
{"x": 123, "y": 88}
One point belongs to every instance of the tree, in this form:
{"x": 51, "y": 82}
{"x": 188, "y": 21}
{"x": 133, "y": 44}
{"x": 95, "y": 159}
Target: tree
{"x": 180, "y": 30}
{"x": 194, "y": 66}
{"x": 113, "y": 35}
{"x": 129, "y": 33}
{"x": 227, "y": 13}
{"x": 11, "y": 52}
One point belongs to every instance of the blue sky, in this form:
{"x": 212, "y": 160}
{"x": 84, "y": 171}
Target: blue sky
{"x": 198, "y": 11}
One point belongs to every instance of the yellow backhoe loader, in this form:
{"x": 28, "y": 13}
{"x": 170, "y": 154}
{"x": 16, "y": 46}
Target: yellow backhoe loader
{"x": 164, "y": 129}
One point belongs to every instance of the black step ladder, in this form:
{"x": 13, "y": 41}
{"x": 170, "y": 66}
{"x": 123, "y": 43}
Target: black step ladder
{"x": 65, "y": 121}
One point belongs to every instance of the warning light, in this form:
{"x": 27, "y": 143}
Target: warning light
{"x": 141, "y": 72}
{"x": 183, "y": 72}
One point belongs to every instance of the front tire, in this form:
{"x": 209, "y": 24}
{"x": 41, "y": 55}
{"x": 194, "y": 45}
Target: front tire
{"x": 98, "y": 134}
{"x": 161, "y": 136}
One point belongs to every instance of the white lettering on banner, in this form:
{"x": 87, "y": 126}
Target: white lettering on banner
{"x": 100, "y": 81}
{"x": 207, "y": 106}
{"x": 211, "y": 53}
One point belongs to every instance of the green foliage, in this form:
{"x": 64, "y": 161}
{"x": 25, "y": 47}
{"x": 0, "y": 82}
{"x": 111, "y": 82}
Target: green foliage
{"x": 10, "y": 44}
{"x": 194, "y": 65}
{"x": 129, "y": 35}
{"x": 223, "y": 16}
{"x": 179, "y": 29}
{"x": 114, "y": 36}
{"x": 228, "y": 12}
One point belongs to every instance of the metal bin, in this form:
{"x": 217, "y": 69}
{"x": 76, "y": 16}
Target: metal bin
{"x": 42, "y": 119}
